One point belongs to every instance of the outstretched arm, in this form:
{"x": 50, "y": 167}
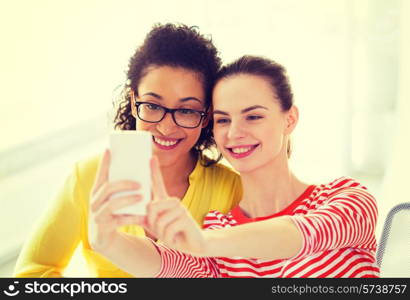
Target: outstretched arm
{"x": 277, "y": 238}
{"x": 134, "y": 255}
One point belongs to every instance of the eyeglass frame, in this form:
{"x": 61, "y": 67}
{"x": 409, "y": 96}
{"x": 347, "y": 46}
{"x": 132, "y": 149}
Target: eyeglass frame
{"x": 172, "y": 111}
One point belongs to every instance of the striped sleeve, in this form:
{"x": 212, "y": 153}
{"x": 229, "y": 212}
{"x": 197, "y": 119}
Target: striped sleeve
{"x": 346, "y": 219}
{"x": 176, "y": 264}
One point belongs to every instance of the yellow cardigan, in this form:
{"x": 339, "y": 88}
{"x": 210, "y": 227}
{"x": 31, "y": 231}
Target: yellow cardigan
{"x": 50, "y": 247}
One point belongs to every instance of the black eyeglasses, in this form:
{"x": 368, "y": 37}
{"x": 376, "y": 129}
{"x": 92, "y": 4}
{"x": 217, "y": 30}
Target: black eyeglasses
{"x": 183, "y": 117}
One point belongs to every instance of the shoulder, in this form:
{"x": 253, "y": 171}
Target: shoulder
{"x": 345, "y": 182}
{"x": 339, "y": 185}
{"x": 348, "y": 191}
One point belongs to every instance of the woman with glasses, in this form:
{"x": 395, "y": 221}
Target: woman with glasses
{"x": 168, "y": 93}
{"x": 282, "y": 227}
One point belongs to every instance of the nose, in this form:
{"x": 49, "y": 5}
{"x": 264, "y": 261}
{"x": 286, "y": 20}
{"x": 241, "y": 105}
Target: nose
{"x": 236, "y": 131}
{"x": 167, "y": 125}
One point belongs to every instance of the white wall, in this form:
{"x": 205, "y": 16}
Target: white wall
{"x": 395, "y": 183}
{"x": 61, "y": 60}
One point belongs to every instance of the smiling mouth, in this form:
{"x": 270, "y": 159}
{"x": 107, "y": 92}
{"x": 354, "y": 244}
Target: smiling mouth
{"x": 242, "y": 151}
{"x": 166, "y": 143}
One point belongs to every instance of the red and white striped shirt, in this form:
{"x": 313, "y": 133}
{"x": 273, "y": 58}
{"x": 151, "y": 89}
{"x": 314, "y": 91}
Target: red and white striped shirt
{"x": 337, "y": 221}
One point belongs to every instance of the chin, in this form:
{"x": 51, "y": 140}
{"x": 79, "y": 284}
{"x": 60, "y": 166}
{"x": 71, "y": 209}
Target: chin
{"x": 168, "y": 159}
{"x": 241, "y": 167}
{"x": 244, "y": 167}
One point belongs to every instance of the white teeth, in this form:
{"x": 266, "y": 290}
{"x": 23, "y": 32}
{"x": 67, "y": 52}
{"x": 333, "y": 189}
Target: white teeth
{"x": 241, "y": 150}
{"x": 165, "y": 143}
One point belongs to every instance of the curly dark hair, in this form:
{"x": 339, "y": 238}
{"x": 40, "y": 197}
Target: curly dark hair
{"x": 274, "y": 73}
{"x": 174, "y": 45}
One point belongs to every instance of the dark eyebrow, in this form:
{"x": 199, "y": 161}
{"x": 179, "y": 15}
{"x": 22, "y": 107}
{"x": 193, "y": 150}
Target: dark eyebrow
{"x": 253, "y": 107}
{"x": 242, "y": 111}
{"x": 219, "y": 112}
{"x": 190, "y": 98}
{"x": 181, "y": 100}
{"x": 153, "y": 95}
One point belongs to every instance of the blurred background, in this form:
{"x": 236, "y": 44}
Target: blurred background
{"x": 61, "y": 61}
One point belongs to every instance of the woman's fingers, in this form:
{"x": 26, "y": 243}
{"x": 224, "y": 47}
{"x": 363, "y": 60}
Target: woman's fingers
{"x": 100, "y": 241}
{"x": 185, "y": 236}
{"x": 115, "y": 204}
{"x": 108, "y": 189}
{"x": 156, "y": 208}
{"x": 175, "y": 232}
{"x": 158, "y": 186}
{"x": 165, "y": 219}
{"x": 121, "y": 220}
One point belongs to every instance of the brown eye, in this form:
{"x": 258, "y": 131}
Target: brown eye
{"x": 152, "y": 106}
{"x": 253, "y": 117}
{"x": 222, "y": 121}
{"x": 186, "y": 111}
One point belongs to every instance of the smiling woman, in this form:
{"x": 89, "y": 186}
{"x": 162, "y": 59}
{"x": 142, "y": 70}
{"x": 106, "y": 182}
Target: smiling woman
{"x": 164, "y": 88}
{"x": 168, "y": 93}
{"x": 307, "y": 230}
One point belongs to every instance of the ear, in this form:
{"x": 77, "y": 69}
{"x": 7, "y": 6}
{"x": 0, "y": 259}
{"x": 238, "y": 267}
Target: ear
{"x": 133, "y": 107}
{"x": 206, "y": 120}
{"x": 292, "y": 117}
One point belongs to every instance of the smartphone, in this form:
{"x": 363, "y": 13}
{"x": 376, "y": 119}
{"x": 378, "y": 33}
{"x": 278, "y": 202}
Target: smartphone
{"x": 131, "y": 152}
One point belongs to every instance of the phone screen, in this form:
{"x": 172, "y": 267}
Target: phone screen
{"x": 131, "y": 151}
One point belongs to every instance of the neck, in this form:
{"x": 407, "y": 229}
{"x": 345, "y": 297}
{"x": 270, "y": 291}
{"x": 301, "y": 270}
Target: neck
{"x": 270, "y": 188}
{"x": 176, "y": 174}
